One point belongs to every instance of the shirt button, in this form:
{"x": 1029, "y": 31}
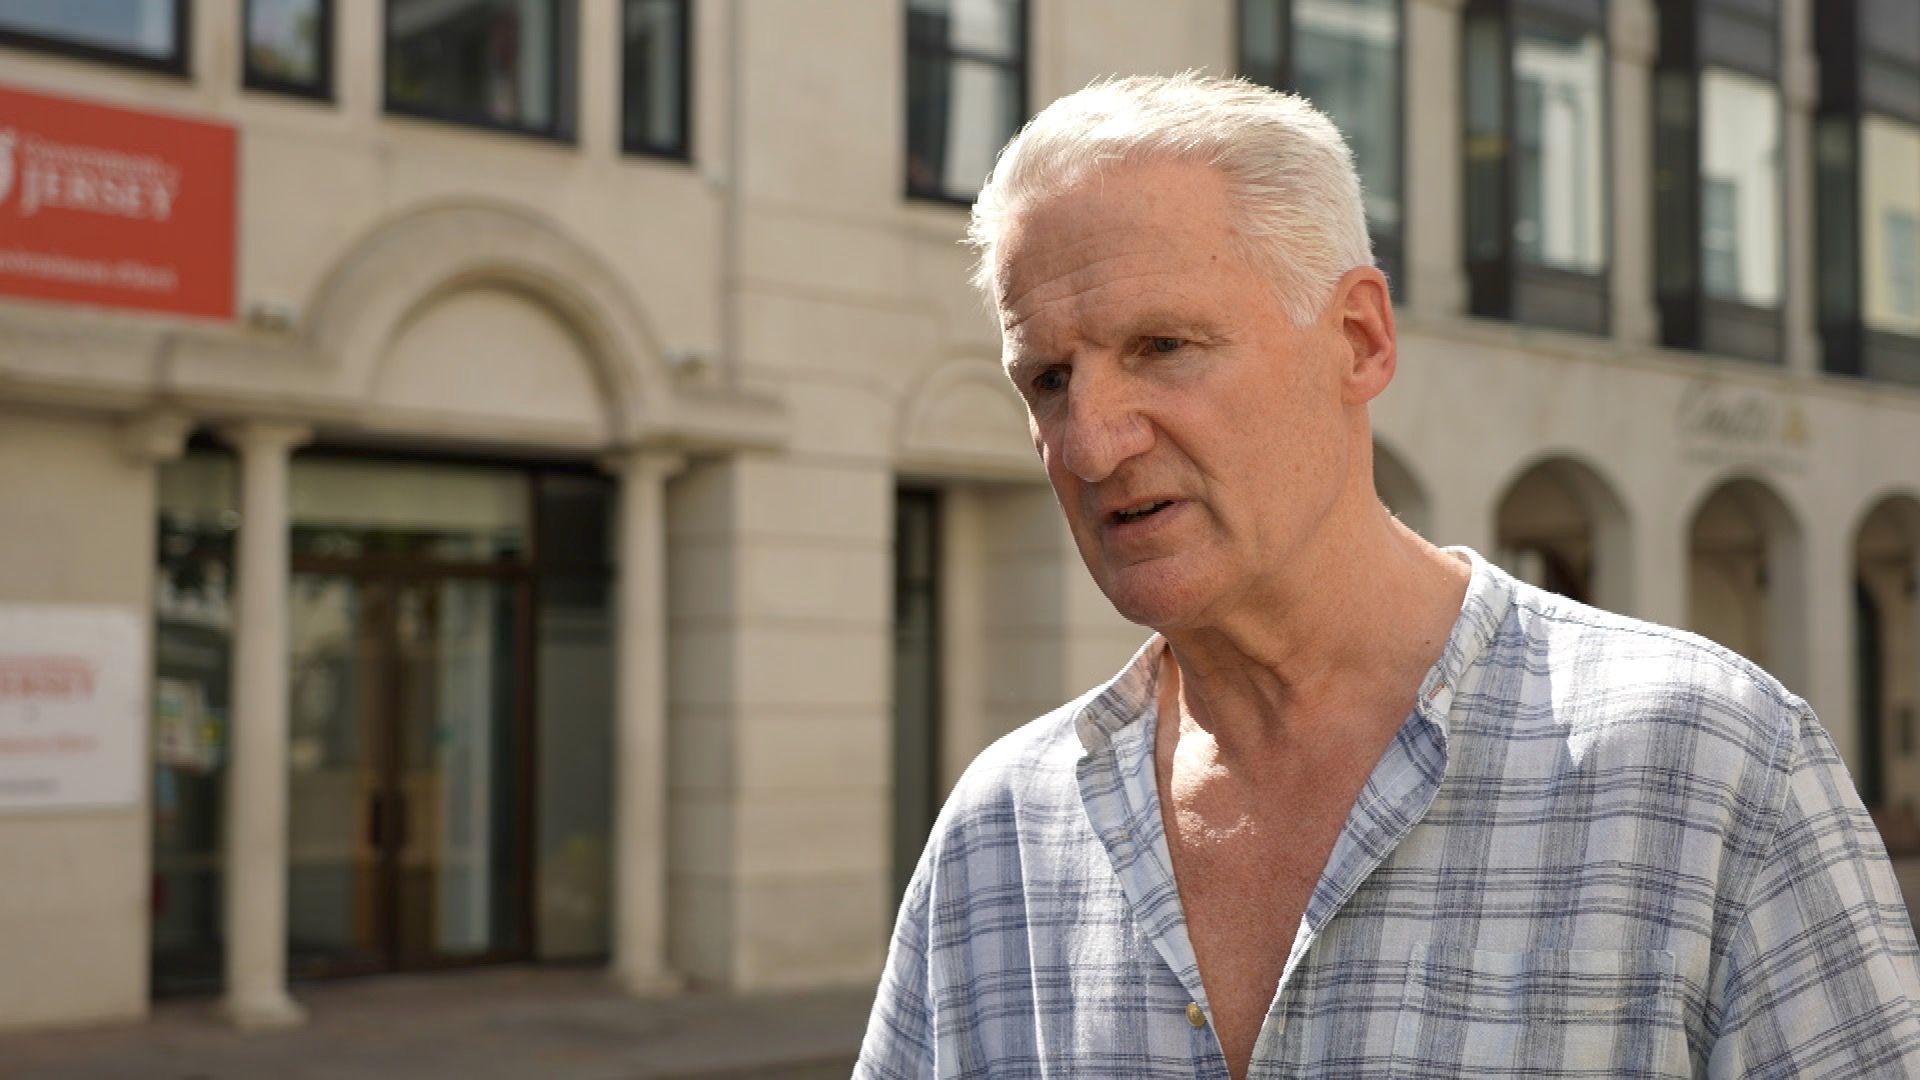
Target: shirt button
{"x": 1195, "y": 1015}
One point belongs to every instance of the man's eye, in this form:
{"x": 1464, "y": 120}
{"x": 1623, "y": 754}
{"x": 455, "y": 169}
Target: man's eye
{"x": 1164, "y": 344}
{"x": 1051, "y": 381}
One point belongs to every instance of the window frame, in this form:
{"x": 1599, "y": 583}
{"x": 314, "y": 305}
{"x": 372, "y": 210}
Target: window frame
{"x": 1848, "y": 96}
{"x": 179, "y": 63}
{"x": 1504, "y": 285}
{"x": 683, "y": 150}
{"x": 560, "y": 77}
{"x": 322, "y": 86}
{"x": 1696, "y": 36}
{"x": 1020, "y": 66}
{"x": 1389, "y": 248}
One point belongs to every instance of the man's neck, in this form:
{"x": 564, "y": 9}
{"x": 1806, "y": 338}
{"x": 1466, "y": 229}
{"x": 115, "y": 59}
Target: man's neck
{"x": 1341, "y": 643}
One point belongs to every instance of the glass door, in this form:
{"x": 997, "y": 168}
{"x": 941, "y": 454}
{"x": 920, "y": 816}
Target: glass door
{"x": 338, "y": 896}
{"x": 458, "y": 786}
{"x": 407, "y": 771}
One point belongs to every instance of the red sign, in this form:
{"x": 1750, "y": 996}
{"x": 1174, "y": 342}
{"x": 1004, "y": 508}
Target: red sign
{"x": 112, "y": 206}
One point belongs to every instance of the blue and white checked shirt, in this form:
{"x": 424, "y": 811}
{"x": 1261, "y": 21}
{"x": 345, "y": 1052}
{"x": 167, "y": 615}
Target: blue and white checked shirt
{"x": 1597, "y": 847}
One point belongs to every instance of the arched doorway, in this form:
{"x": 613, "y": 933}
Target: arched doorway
{"x": 1886, "y": 559}
{"x": 1746, "y": 582}
{"x": 1561, "y": 526}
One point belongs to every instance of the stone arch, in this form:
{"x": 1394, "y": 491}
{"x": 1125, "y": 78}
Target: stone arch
{"x": 1399, "y": 487}
{"x": 1562, "y": 524}
{"x": 409, "y": 264}
{"x": 1886, "y": 662}
{"x": 963, "y": 419}
{"x": 1747, "y": 578}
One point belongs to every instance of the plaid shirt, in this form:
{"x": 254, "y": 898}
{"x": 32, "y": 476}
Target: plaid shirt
{"x": 1596, "y": 847}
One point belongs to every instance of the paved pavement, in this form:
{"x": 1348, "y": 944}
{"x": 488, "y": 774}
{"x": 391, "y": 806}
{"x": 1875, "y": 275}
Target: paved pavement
{"x": 499, "y": 1022}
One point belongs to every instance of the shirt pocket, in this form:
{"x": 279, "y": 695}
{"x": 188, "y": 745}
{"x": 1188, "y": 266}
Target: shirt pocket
{"x": 1557, "y": 1012}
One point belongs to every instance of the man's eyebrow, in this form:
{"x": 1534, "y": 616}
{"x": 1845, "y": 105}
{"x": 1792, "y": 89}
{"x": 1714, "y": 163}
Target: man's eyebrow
{"x": 1019, "y": 361}
{"x": 1165, "y": 318}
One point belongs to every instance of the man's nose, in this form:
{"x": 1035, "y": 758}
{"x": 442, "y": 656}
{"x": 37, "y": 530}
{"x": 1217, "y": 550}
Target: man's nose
{"x": 1103, "y": 426}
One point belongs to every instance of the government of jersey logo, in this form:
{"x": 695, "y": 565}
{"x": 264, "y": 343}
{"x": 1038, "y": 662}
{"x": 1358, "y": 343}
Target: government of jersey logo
{"x": 87, "y": 179}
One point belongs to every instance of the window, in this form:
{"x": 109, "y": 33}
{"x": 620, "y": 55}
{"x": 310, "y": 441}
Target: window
{"x": 1535, "y": 90}
{"x": 1902, "y": 233}
{"x": 966, "y": 92}
{"x": 1867, "y": 153}
{"x": 503, "y": 64}
{"x": 142, "y": 33}
{"x": 1890, "y": 207}
{"x": 289, "y": 46}
{"x": 916, "y": 677}
{"x": 1719, "y": 236}
{"x": 1717, "y": 177}
{"x": 654, "y": 85}
{"x": 193, "y": 599}
{"x": 1345, "y": 56}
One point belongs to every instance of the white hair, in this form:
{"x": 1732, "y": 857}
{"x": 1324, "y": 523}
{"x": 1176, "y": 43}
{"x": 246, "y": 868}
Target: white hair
{"x": 1289, "y": 172}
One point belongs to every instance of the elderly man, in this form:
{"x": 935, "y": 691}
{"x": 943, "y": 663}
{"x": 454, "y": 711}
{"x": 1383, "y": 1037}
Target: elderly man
{"x": 1361, "y": 806}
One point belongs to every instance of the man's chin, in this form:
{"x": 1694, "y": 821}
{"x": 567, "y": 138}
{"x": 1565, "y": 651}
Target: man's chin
{"x": 1159, "y": 600}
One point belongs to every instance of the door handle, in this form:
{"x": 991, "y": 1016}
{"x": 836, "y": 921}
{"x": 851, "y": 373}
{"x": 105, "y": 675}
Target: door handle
{"x": 377, "y": 820}
{"x": 399, "y": 820}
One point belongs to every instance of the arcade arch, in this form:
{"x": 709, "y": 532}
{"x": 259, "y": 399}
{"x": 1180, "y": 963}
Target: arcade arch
{"x": 1562, "y": 527}
{"x": 1746, "y": 576}
{"x": 1886, "y": 554}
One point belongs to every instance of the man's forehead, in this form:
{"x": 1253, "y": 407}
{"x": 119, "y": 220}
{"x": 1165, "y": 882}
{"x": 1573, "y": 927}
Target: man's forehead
{"x": 1162, "y": 211}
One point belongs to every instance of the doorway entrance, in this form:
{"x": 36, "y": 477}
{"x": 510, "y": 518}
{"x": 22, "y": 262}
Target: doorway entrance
{"x": 450, "y": 714}
{"x": 408, "y": 729}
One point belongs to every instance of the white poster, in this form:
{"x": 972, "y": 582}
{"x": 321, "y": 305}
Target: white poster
{"x": 72, "y": 716}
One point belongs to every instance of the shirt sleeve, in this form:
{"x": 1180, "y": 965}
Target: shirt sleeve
{"x": 1821, "y": 976}
{"x": 899, "y": 1040}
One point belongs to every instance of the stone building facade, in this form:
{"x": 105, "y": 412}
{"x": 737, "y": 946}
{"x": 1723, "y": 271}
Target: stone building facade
{"x": 589, "y": 543}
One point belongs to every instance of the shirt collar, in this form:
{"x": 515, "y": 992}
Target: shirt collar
{"x": 1129, "y": 695}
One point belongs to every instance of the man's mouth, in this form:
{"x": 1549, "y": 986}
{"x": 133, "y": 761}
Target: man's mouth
{"x": 1139, "y": 513}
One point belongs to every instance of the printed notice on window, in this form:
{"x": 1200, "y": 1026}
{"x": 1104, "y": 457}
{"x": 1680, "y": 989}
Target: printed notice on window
{"x": 72, "y": 722}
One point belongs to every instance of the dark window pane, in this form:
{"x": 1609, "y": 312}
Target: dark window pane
{"x": 1263, "y": 45}
{"x": 964, "y": 94}
{"x": 285, "y": 41}
{"x": 1486, "y": 139}
{"x": 145, "y": 28}
{"x": 1560, "y": 219}
{"x": 1740, "y": 204}
{"x": 1347, "y": 62}
{"x": 574, "y": 856}
{"x": 1676, "y": 139}
{"x": 960, "y": 113}
{"x": 916, "y": 678}
{"x": 983, "y": 28}
{"x": 1890, "y": 224}
{"x": 654, "y": 81}
{"x": 1836, "y": 170}
{"x": 490, "y": 61}
{"x": 193, "y": 622}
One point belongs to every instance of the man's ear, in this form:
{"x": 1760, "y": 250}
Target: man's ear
{"x": 1364, "y": 314}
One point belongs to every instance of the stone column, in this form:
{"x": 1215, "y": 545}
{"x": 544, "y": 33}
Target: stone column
{"x": 1662, "y": 561}
{"x": 640, "y": 725}
{"x": 1634, "y": 34}
{"x": 600, "y": 93}
{"x": 1799, "y": 96}
{"x": 1433, "y": 209}
{"x": 256, "y": 826}
{"x": 1827, "y": 674}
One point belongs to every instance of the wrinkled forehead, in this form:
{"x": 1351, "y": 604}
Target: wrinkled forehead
{"x": 1148, "y": 228}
